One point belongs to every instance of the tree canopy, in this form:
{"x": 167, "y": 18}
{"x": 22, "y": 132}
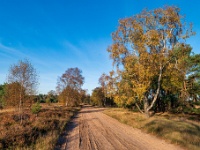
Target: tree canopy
{"x": 69, "y": 86}
{"x": 151, "y": 57}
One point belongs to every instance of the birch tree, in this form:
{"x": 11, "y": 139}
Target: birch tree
{"x": 69, "y": 86}
{"x": 143, "y": 49}
{"x": 24, "y": 76}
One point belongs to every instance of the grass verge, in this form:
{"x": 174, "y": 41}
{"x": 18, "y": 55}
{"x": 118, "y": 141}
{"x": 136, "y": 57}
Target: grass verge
{"x": 173, "y": 128}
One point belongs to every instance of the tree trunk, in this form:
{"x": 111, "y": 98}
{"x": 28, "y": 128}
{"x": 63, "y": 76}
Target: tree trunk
{"x": 20, "y": 104}
{"x": 105, "y": 102}
{"x": 184, "y": 92}
{"x": 158, "y": 89}
{"x": 146, "y": 105}
{"x": 66, "y": 104}
{"x": 138, "y": 108}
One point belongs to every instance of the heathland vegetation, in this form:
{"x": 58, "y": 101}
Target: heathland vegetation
{"x": 156, "y": 76}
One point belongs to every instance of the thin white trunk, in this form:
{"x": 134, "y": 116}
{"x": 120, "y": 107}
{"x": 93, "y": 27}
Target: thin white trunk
{"x": 138, "y": 108}
{"x": 158, "y": 89}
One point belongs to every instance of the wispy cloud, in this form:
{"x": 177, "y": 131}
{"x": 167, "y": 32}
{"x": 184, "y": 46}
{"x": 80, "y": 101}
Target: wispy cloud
{"x": 90, "y": 56}
{"x": 76, "y": 51}
{"x": 18, "y": 53}
{"x": 92, "y": 51}
{"x": 11, "y": 51}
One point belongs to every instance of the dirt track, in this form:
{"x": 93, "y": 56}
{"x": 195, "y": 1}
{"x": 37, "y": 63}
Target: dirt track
{"x": 93, "y": 130}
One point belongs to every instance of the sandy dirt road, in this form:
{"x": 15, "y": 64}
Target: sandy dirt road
{"x": 93, "y": 130}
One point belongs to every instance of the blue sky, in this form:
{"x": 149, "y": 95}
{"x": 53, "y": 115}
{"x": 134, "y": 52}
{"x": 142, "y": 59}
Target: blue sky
{"x": 59, "y": 34}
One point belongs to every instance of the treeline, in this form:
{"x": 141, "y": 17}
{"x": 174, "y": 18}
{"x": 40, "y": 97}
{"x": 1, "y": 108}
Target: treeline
{"x": 10, "y": 98}
{"x": 155, "y": 69}
{"x": 20, "y": 89}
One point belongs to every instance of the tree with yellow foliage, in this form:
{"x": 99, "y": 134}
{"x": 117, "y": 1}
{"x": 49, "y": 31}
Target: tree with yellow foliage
{"x": 143, "y": 52}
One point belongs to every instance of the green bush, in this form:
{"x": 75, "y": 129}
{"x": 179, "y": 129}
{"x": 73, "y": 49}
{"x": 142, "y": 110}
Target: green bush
{"x": 35, "y": 109}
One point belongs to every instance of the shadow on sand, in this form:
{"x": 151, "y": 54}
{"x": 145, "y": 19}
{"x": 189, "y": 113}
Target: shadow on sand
{"x": 73, "y": 124}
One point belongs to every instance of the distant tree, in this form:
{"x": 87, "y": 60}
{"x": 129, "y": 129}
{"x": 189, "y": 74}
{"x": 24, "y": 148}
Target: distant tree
{"x": 87, "y": 99}
{"x": 103, "y": 82}
{"x": 12, "y": 95}
{"x": 69, "y": 86}
{"x": 83, "y": 96}
{"x": 24, "y": 76}
{"x": 51, "y": 97}
{"x": 41, "y": 98}
{"x": 192, "y": 80}
{"x": 2, "y": 96}
{"x": 97, "y": 97}
{"x": 106, "y": 82}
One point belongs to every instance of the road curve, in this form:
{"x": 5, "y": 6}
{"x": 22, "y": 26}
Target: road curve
{"x": 93, "y": 130}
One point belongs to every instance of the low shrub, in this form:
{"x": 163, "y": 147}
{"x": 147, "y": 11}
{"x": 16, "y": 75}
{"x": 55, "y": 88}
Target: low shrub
{"x": 35, "y": 109}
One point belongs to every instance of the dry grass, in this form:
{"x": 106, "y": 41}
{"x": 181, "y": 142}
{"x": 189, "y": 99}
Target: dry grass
{"x": 6, "y": 110}
{"x": 39, "y": 132}
{"x": 171, "y": 127}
